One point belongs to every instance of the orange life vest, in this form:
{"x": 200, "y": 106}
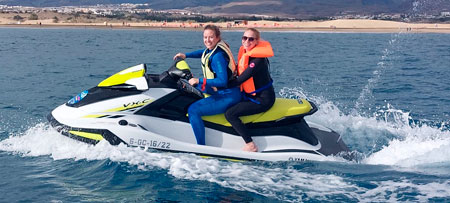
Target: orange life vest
{"x": 262, "y": 50}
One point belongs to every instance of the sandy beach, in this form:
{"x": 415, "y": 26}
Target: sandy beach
{"x": 347, "y": 25}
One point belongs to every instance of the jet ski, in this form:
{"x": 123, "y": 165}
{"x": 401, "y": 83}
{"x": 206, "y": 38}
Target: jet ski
{"x": 145, "y": 110}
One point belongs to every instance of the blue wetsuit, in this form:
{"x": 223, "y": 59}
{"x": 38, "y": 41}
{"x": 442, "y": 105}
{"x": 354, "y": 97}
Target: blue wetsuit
{"x": 219, "y": 101}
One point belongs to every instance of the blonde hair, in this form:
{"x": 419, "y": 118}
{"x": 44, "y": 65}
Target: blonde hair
{"x": 254, "y": 30}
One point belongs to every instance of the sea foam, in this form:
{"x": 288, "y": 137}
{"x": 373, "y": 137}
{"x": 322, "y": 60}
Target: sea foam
{"x": 278, "y": 181}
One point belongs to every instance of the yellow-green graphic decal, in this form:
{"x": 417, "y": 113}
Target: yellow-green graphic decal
{"x": 130, "y": 105}
{"x": 94, "y": 116}
{"x": 92, "y": 136}
{"x": 226, "y": 159}
{"x": 122, "y": 76}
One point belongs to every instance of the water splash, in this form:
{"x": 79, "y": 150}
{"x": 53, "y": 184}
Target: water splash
{"x": 418, "y": 143}
{"x": 285, "y": 184}
{"x": 389, "y": 136}
{"x": 364, "y": 103}
{"x": 280, "y": 181}
{"x": 391, "y": 191}
{"x": 365, "y": 100}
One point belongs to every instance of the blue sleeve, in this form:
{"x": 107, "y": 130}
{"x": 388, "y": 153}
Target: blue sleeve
{"x": 195, "y": 54}
{"x": 249, "y": 72}
{"x": 219, "y": 65}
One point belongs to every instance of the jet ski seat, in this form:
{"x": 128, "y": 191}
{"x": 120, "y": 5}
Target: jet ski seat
{"x": 282, "y": 108}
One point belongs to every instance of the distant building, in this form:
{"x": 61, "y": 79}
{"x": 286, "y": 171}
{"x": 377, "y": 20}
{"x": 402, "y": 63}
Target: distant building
{"x": 445, "y": 13}
{"x": 240, "y": 22}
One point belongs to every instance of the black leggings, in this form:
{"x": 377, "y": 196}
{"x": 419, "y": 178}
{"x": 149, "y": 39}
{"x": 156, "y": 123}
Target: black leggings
{"x": 245, "y": 108}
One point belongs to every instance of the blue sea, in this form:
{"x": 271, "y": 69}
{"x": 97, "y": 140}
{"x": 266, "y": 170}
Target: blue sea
{"x": 388, "y": 94}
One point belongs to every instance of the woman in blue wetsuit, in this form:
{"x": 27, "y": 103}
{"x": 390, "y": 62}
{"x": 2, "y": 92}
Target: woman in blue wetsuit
{"x": 218, "y": 68}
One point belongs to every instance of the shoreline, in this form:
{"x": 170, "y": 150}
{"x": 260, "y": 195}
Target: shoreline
{"x": 337, "y": 26}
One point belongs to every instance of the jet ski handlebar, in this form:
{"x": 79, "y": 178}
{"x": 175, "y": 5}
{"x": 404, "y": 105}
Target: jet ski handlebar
{"x": 180, "y": 69}
{"x": 180, "y": 72}
{"x": 184, "y": 85}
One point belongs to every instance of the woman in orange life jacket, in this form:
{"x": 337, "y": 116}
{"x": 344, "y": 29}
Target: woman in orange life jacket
{"x": 255, "y": 82}
{"x": 218, "y": 66}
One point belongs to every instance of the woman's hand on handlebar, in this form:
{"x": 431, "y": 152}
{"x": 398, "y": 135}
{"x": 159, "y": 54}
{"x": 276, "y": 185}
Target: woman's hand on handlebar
{"x": 179, "y": 55}
{"x": 193, "y": 81}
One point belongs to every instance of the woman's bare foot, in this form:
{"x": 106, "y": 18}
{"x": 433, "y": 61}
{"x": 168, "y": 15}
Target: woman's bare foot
{"x": 250, "y": 147}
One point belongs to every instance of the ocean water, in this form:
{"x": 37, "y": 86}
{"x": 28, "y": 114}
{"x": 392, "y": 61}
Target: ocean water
{"x": 388, "y": 94}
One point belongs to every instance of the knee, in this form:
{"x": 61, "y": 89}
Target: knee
{"x": 227, "y": 115}
{"x": 193, "y": 111}
{"x": 230, "y": 114}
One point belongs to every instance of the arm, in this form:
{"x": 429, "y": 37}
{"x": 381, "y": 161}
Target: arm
{"x": 195, "y": 54}
{"x": 249, "y": 72}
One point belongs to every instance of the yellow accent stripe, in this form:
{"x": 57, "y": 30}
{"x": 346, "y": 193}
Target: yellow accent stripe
{"x": 93, "y": 116}
{"x": 92, "y": 136}
{"x": 226, "y": 159}
{"x": 233, "y": 160}
{"x": 123, "y": 108}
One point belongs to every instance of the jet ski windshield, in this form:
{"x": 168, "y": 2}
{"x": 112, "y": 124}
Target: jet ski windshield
{"x": 132, "y": 77}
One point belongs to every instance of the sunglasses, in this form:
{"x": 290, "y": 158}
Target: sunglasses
{"x": 250, "y": 39}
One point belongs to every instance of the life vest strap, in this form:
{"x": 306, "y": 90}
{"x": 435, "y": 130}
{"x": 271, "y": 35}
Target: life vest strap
{"x": 257, "y": 91}
{"x": 204, "y": 84}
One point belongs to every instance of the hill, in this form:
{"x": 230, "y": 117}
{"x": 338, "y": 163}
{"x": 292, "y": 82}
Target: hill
{"x": 282, "y": 8}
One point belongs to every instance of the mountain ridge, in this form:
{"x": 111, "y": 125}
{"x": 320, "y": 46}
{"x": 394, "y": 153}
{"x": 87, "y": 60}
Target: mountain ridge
{"x": 283, "y": 8}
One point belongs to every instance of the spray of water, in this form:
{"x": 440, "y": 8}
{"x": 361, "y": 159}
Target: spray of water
{"x": 277, "y": 181}
{"x": 364, "y": 102}
{"x": 389, "y": 136}
{"x": 408, "y": 142}
{"x": 286, "y": 184}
